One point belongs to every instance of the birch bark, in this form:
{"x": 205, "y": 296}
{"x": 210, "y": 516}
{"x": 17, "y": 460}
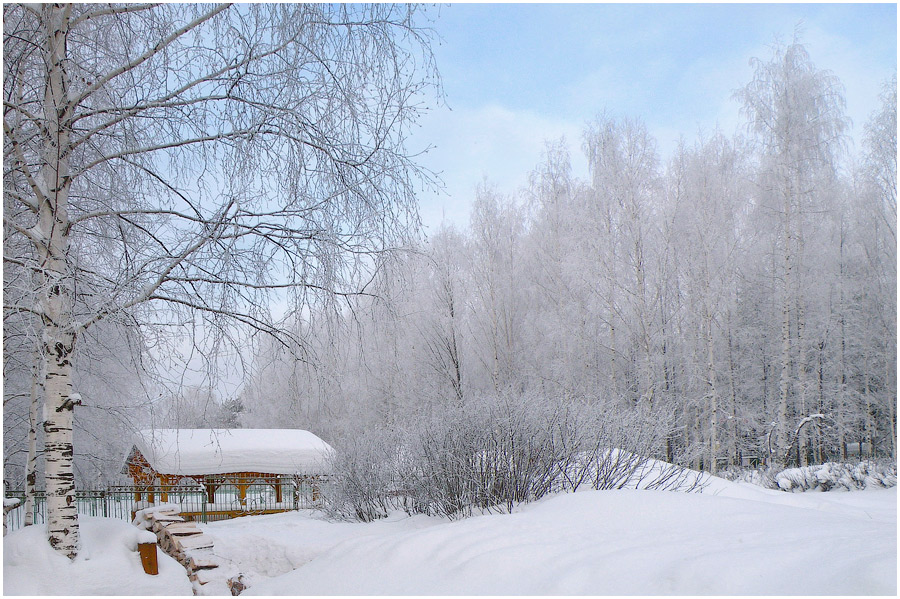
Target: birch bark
{"x": 33, "y": 419}
{"x": 58, "y": 334}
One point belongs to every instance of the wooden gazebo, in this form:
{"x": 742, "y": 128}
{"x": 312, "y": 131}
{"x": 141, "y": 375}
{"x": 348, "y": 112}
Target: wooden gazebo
{"x": 163, "y": 460}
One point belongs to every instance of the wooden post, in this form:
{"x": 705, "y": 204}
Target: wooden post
{"x": 276, "y": 482}
{"x": 315, "y": 488}
{"x": 164, "y": 488}
{"x": 148, "y": 558}
{"x": 211, "y": 491}
{"x": 242, "y": 492}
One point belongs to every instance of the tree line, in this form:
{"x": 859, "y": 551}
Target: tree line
{"x": 745, "y": 288}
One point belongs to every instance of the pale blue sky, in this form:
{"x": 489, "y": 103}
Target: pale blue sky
{"x": 518, "y": 74}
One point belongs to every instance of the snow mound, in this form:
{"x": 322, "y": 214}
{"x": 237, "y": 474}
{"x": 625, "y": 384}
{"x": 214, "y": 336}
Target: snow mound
{"x": 107, "y": 563}
{"x": 620, "y": 542}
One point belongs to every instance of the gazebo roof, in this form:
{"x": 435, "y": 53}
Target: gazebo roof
{"x": 193, "y": 452}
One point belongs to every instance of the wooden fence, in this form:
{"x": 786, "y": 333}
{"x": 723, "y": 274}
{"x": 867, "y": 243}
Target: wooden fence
{"x": 197, "y": 502}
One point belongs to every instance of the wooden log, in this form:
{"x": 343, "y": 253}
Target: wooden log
{"x": 182, "y": 529}
{"x": 166, "y": 518}
{"x": 200, "y": 541}
{"x": 202, "y": 576}
{"x": 160, "y": 527}
{"x": 199, "y": 563}
{"x": 177, "y": 525}
{"x": 149, "y": 561}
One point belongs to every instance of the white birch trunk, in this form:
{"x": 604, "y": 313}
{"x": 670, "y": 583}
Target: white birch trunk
{"x": 732, "y": 428}
{"x": 889, "y": 368}
{"x": 802, "y": 382}
{"x": 780, "y": 444}
{"x": 58, "y": 336}
{"x": 711, "y": 388}
{"x": 31, "y": 464}
{"x": 712, "y": 393}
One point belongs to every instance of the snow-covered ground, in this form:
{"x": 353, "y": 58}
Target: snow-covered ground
{"x": 734, "y": 538}
{"x": 108, "y": 564}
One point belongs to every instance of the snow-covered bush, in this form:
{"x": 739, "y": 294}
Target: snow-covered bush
{"x": 622, "y": 445}
{"x": 499, "y": 451}
{"x": 490, "y": 454}
{"x": 836, "y": 475}
{"x": 363, "y": 486}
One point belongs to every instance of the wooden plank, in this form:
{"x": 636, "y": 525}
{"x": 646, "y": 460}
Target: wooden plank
{"x": 180, "y": 529}
{"x": 200, "y": 541}
{"x": 199, "y": 563}
{"x": 165, "y": 517}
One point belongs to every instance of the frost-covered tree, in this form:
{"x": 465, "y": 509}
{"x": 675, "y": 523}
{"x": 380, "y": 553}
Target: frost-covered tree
{"x": 443, "y": 331}
{"x": 622, "y": 206}
{"x": 563, "y": 349}
{"x": 645, "y": 285}
{"x": 497, "y": 229}
{"x": 796, "y": 115}
{"x": 875, "y": 211}
{"x": 173, "y": 166}
{"x": 707, "y": 192}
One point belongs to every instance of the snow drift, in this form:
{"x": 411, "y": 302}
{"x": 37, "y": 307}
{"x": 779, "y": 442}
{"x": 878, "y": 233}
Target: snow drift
{"x": 623, "y": 542}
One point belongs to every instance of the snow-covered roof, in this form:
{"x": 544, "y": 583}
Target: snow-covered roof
{"x": 219, "y": 451}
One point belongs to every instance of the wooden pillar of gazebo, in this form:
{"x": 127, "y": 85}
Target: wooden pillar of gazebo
{"x": 275, "y": 481}
{"x": 211, "y": 485}
{"x": 242, "y": 484}
{"x": 165, "y": 483}
{"x": 314, "y": 481}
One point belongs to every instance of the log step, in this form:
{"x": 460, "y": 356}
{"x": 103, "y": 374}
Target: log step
{"x": 181, "y": 529}
{"x": 199, "y": 563}
{"x": 200, "y": 541}
{"x": 201, "y": 576}
{"x": 166, "y": 518}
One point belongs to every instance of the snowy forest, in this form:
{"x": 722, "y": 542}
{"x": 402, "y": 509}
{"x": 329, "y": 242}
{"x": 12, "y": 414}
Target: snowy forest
{"x": 739, "y": 293}
{"x": 736, "y": 290}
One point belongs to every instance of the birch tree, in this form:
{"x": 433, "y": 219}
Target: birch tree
{"x": 443, "y": 335}
{"x": 625, "y": 190}
{"x": 705, "y": 230}
{"x": 796, "y": 113}
{"x": 877, "y": 214}
{"x": 497, "y": 226}
{"x": 178, "y": 165}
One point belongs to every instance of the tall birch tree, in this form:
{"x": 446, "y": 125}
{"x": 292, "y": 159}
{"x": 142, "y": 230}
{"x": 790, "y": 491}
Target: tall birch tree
{"x": 796, "y": 113}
